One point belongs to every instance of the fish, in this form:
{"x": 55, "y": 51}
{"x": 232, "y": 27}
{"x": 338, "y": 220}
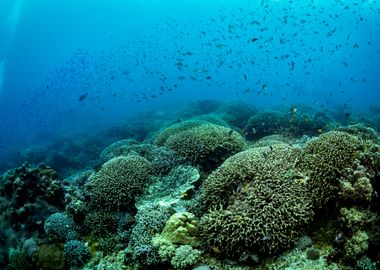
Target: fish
{"x": 82, "y": 97}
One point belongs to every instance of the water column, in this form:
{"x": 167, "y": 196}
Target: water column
{"x": 11, "y": 19}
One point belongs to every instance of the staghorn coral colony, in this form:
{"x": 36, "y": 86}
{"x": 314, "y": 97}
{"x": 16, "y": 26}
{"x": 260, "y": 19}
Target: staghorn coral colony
{"x": 225, "y": 186}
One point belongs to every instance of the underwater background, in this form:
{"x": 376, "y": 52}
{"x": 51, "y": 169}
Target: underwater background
{"x": 161, "y": 134}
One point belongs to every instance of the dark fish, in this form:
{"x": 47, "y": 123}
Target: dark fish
{"x": 292, "y": 66}
{"x": 254, "y": 40}
{"x": 82, "y": 97}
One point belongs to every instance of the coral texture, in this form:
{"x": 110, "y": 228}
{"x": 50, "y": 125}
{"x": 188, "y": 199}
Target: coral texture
{"x": 119, "y": 180}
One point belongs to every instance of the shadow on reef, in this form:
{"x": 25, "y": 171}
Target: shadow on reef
{"x": 211, "y": 186}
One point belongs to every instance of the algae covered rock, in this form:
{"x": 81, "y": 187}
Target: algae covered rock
{"x": 118, "y": 181}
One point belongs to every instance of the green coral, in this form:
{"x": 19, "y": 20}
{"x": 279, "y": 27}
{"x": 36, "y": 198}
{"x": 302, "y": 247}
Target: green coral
{"x": 59, "y": 227}
{"x": 185, "y": 256}
{"x": 182, "y": 228}
{"x": 166, "y": 249}
{"x": 356, "y": 245}
{"x": 324, "y": 159}
{"x": 365, "y": 263}
{"x": 100, "y": 223}
{"x": 257, "y": 204}
{"x": 18, "y": 260}
{"x": 354, "y": 219}
{"x": 76, "y": 253}
{"x": 116, "y": 184}
{"x": 206, "y": 145}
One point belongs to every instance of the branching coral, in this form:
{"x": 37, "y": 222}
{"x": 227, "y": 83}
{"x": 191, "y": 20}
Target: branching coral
{"x": 260, "y": 201}
{"x": 324, "y": 159}
{"x": 206, "y": 145}
{"x": 119, "y": 180}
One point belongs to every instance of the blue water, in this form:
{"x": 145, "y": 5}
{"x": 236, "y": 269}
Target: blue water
{"x": 77, "y": 66}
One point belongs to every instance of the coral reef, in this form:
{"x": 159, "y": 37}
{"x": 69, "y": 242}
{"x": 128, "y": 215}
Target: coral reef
{"x": 262, "y": 124}
{"x": 185, "y": 256}
{"x": 76, "y": 253}
{"x": 260, "y": 202}
{"x": 161, "y": 158}
{"x": 237, "y": 113}
{"x": 355, "y": 183}
{"x": 116, "y": 149}
{"x": 164, "y": 134}
{"x": 206, "y": 145}
{"x": 179, "y": 184}
{"x": 150, "y": 220}
{"x": 181, "y": 228}
{"x": 49, "y": 257}
{"x": 356, "y": 245}
{"x": 59, "y": 228}
{"x": 28, "y": 195}
{"x": 324, "y": 159}
{"x": 171, "y": 193}
{"x": 18, "y": 260}
{"x": 115, "y": 186}
{"x": 365, "y": 263}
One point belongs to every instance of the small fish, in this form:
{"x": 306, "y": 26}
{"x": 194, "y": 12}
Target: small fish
{"x": 82, "y": 97}
{"x": 293, "y": 110}
{"x": 253, "y": 40}
{"x": 292, "y": 66}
